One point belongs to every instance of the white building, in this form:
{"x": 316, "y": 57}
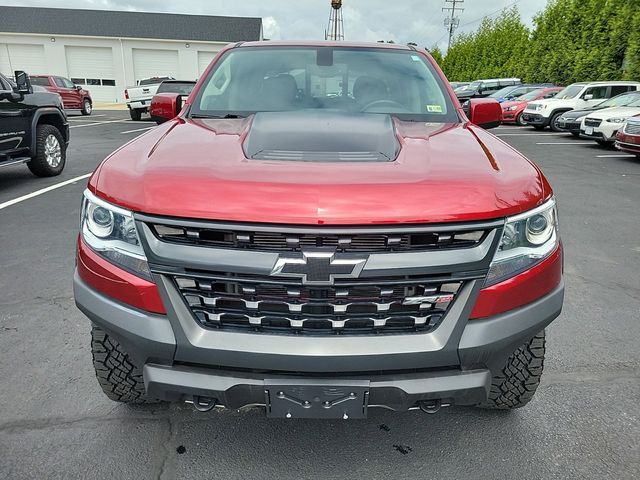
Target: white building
{"x": 106, "y": 51}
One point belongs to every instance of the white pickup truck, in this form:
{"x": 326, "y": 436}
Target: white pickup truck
{"x": 139, "y": 97}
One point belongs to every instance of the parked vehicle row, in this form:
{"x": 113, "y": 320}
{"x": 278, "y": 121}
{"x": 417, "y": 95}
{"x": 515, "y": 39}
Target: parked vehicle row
{"x": 139, "y": 96}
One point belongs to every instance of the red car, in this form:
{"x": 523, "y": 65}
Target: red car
{"x": 628, "y": 137}
{"x": 512, "y": 111}
{"x": 320, "y": 230}
{"x": 74, "y": 97}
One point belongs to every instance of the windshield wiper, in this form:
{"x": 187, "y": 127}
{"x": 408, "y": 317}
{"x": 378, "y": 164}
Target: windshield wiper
{"x": 228, "y": 115}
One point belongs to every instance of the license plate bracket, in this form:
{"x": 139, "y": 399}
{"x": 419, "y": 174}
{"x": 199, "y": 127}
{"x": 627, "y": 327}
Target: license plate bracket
{"x": 331, "y": 399}
{"x": 588, "y": 130}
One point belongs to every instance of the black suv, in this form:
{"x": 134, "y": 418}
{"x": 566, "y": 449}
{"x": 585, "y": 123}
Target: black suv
{"x": 33, "y": 127}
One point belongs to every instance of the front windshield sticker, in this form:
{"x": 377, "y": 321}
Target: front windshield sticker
{"x": 434, "y": 108}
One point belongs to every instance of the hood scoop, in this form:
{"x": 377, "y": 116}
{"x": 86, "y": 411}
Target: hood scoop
{"x": 322, "y": 136}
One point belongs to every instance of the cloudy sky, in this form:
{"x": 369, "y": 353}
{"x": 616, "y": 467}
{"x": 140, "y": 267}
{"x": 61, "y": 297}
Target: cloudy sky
{"x": 419, "y": 21}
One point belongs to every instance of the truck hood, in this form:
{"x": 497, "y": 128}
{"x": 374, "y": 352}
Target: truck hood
{"x": 612, "y": 112}
{"x": 198, "y": 168}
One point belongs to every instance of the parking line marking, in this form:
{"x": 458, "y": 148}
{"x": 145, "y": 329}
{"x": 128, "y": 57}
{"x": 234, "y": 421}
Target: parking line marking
{"x": 139, "y": 129}
{"x": 43, "y": 190}
{"x": 86, "y": 118}
{"x": 560, "y": 143}
{"x": 616, "y": 155}
{"x": 98, "y": 123}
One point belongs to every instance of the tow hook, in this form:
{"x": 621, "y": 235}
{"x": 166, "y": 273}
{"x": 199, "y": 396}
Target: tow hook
{"x": 430, "y": 406}
{"x": 204, "y": 404}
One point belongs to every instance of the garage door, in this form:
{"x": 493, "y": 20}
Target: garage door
{"x": 154, "y": 63}
{"x": 92, "y": 67}
{"x": 29, "y": 58}
{"x": 204, "y": 59}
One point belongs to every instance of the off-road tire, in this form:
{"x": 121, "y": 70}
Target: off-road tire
{"x": 38, "y": 164}
{"x": 553, "y": 122}
{"x": 519, "y": 121}
{"x": 516, "y": 384}
{"x": 605, "y": 144}
{"x": 576, "y": 134}
{"x": 538, "y": 127}
{"x": 136, "y": 114}
{"x": 87, "y": 108}
{"x": 120, "y": 379}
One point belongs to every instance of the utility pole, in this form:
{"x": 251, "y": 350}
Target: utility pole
{"x": 452, "y": 22}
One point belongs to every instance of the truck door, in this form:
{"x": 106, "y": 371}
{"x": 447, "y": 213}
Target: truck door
{"x": 13, "y": 122}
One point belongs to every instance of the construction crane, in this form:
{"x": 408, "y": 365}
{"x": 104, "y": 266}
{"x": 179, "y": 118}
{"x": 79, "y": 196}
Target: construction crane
{"x": 335, "y": 30}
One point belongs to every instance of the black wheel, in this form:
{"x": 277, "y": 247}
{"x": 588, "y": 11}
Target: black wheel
{"x": 87, "y": 108}
{"x": 516, "y": 384}
{"x": 120, "y": 379}
{"x": 136, "y": 114}
{"x": 538, "y": 127}
{"x": 553, "y": 124}
{"x": 51, "y": 152}
{"x": 576, "y": 134}
{"x": 519, "y": 121}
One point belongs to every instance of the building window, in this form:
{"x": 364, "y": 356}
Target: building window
{"x": 93, "y": 81}
{"x": 108, "y": 83}
{"x": 78, "y": 81}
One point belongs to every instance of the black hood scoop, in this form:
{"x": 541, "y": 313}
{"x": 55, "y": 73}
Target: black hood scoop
{"x": 322, "y": 136}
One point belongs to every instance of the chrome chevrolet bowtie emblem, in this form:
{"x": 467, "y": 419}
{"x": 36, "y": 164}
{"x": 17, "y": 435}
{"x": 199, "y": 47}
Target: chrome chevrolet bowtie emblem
{"x": 318, "y": 268}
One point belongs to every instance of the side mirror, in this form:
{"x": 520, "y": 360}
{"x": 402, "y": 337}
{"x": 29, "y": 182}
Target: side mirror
{"x": 77, "y": 87}
{"x": 588, "y": 96}
{"x": 485, "y": 112}
{"x": 165, "y": 106}
{"x": 23, "y": 83}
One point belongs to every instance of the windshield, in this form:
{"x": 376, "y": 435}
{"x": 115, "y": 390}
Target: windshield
{"x": 635, "y": 103}
{"x": 503, "y": 91}
{"x": 44, "y": 81}
{"x": 623, "y": 100}
{"x": 571, "y": 91}
{"x": 369, "y": 80}
{"x": 184, "y": 88}
{"x": 532, "y": 95}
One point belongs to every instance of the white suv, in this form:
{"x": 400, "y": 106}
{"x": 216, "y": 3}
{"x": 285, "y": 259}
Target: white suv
{"x": 545, "y": 113}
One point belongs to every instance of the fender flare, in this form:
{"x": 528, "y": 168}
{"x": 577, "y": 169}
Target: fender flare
{"x": 34, "y": 124}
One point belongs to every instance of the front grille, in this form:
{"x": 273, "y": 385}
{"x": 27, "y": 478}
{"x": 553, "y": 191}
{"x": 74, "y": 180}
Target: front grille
{"x": 264, "y": 306}
{"x": 632, "y": 128}
{"x": 279, "y": 241}
{"x": 592, "y": 122}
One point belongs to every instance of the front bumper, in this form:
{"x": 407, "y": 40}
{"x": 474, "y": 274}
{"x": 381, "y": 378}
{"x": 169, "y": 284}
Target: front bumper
{"x": 453, "y": 364}
{"x": 535, "y": 119}
{"x": 569, "y": 126}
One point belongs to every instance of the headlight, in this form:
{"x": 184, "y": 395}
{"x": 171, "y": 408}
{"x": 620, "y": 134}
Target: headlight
{"x": 527, "y": 239}
{"x": 511, "y": 109}
{"x": 579, "y": 119}
{"x": 111, "y": 232}
{"x": 616, "y": 120}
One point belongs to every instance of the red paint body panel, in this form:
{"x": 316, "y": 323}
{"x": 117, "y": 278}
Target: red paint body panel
{"x": 521, "y": 289}
{"x": 165, "y": 105}
{"x": 117, "y": 283}
{"x": 197, "y": 169}
{"x": 71, "y": 98}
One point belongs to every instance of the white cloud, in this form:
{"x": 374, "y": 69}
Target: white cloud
{"x": 271, "y": 28}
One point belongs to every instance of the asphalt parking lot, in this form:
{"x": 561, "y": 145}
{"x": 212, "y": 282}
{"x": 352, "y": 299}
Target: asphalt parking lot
{"x": 583, "y": 423}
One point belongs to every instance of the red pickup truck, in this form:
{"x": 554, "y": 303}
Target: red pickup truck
{"x": 74, "y": 97}
{"x": 319, "y": 230}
